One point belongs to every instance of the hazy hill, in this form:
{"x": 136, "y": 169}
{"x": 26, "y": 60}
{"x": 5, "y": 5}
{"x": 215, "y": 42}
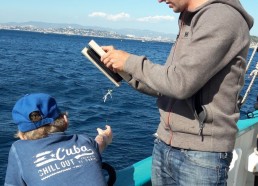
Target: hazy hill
{"x": 125, "y": 31}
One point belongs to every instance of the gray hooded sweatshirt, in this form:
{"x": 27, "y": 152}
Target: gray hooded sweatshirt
{"x": 205, "y": 69}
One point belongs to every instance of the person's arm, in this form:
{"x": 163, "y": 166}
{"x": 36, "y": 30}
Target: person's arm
{"x": 104, "y": 138}
{"x": 115, "y": 60}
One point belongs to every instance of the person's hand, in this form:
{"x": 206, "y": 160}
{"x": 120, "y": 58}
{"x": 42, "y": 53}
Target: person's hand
{"x": 108, "y": 48}
{"x": 107, "y": 134}
{"x": 114, "y": 59}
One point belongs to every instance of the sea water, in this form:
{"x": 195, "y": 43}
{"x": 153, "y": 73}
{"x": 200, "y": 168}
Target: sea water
{"x": 51, "y": 63}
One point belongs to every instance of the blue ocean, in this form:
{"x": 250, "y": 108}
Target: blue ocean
{"x": 51, "y": 63}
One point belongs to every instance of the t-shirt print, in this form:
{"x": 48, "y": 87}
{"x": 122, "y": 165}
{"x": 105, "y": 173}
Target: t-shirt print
{"x": 53, "y": 162}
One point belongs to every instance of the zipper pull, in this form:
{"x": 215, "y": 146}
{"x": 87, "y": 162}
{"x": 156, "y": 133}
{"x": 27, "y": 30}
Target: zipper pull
{"x": 201, "y": 131}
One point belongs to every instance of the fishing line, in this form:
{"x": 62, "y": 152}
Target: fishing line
{"x": 105, "y": 98}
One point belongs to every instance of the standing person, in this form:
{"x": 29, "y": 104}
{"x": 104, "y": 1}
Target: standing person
{"x": 46, "y": 155}
{"x": 197, "y": 91}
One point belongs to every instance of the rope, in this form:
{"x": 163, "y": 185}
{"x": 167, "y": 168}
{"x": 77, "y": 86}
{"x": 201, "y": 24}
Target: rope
{"x": 254, "y": 74}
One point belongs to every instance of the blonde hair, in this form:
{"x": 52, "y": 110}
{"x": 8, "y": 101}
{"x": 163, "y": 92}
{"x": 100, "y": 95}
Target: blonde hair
{"x": 59, "y": 125}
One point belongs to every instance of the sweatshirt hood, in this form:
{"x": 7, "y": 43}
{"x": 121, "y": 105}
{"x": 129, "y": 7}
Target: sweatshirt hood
{"x": 236, "y": 5}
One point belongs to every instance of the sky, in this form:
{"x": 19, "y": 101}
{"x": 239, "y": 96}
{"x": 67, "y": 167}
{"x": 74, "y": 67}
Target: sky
{"x": 136, "y": 14}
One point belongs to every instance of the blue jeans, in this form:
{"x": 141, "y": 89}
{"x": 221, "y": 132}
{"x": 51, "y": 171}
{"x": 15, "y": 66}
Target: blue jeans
{"x": 173, "y": 166}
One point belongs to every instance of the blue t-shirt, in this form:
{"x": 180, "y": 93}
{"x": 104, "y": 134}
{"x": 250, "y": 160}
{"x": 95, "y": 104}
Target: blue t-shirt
{"x": 58, "y": 159}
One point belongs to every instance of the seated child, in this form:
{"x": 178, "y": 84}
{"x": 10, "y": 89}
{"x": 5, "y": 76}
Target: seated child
{"x": 46, "y": 155}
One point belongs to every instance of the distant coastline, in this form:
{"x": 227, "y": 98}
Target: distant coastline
{"x": 65, "y": 29}
{"x": 254, "y": 41}
{"x": 83, "y": 32}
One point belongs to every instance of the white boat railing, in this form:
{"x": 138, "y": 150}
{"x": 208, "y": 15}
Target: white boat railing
{"x": 239, "y": 173}
{"x": 252, "y": 56}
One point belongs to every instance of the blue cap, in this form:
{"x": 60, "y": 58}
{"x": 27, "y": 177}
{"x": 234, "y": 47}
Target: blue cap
{"x": 41, "y": 103}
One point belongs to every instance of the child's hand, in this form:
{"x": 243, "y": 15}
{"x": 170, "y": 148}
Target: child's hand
{"x": 107, "y": 134}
